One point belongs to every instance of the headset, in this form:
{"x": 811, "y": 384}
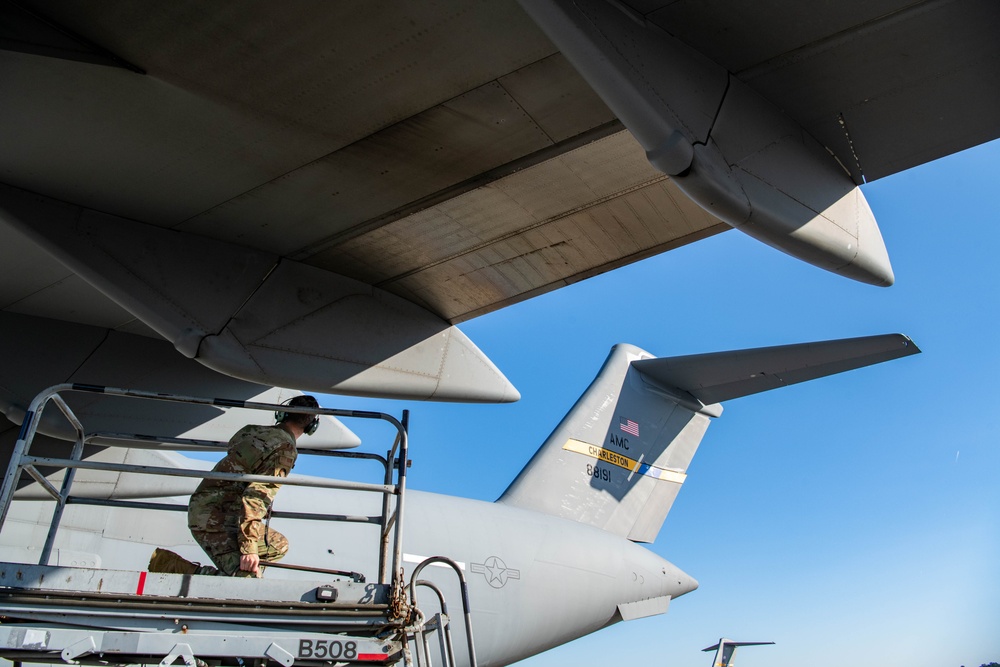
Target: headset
{"x": 304, "y": 401}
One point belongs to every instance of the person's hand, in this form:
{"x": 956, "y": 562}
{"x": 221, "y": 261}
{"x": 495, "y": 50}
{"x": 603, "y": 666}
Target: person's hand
{"x": 250, "y": 563}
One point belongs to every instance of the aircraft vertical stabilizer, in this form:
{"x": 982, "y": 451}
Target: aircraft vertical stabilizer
{"x": 619, "y": 458}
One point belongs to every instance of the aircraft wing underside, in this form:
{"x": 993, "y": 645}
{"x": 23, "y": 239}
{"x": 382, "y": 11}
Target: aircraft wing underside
{"x": 243, "y": 180}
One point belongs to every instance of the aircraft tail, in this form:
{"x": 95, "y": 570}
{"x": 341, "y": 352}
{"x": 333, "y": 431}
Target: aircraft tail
{"x": 725, "y": 651}
{"x": 619, "y": 458}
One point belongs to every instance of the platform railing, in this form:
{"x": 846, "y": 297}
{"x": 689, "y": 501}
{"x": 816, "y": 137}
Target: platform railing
{"x": 395, "y": 464}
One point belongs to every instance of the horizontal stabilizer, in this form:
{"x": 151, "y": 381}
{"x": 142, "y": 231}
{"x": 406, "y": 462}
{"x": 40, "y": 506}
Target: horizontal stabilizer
{"x": 715, "y": 647}
{"x": 720, "y": 376}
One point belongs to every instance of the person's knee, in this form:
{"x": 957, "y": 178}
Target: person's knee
{"x": 272, "y": 556}
{"x": 275, "y": 547}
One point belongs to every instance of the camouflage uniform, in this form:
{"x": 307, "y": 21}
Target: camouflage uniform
{"x": 227, "y": 518}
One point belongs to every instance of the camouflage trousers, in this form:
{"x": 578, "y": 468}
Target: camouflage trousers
{"x": 223, "y": 548}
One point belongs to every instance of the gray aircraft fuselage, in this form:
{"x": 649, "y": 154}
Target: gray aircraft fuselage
{"x": 556, "y": 557}
{"x": 535, "y": 581}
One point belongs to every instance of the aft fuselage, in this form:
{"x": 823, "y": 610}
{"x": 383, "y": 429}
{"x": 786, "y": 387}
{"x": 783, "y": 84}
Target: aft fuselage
{"x": 535, "y": 581}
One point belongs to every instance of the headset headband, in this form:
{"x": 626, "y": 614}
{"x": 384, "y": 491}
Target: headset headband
{"x": 299, "y": 401}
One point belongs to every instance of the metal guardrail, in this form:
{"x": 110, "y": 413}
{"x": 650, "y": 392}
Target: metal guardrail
{"x": 443, "y": 623}
{"x": 404, "y": 613}
{"x": 22, "y": 461}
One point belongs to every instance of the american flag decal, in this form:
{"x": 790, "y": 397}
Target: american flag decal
{"x": 628, "y": 426}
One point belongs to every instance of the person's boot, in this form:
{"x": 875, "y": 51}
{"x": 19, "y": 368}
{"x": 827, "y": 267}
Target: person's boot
{"x": 168, "y": 562}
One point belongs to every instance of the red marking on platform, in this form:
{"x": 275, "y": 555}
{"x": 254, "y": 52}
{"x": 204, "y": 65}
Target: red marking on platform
{"x": 142, "y": 583}
{"x": 372, "y": 656}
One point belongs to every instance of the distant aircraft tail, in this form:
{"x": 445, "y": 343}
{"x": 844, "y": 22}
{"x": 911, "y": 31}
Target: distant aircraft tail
{"x": 725, "y": 651}
{"x": 619, "y": 458}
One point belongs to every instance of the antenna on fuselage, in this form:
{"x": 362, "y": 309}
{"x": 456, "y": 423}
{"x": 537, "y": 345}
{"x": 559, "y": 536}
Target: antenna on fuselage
{"x": 726, "y": 649}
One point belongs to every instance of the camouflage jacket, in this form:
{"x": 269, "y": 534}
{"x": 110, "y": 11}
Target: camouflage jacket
{"x": 254, "y": 450}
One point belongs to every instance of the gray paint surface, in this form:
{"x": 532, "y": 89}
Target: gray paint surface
{"x": 448, "y": 154}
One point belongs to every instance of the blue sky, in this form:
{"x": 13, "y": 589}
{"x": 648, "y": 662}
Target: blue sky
{"x": 854, "y": 519}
